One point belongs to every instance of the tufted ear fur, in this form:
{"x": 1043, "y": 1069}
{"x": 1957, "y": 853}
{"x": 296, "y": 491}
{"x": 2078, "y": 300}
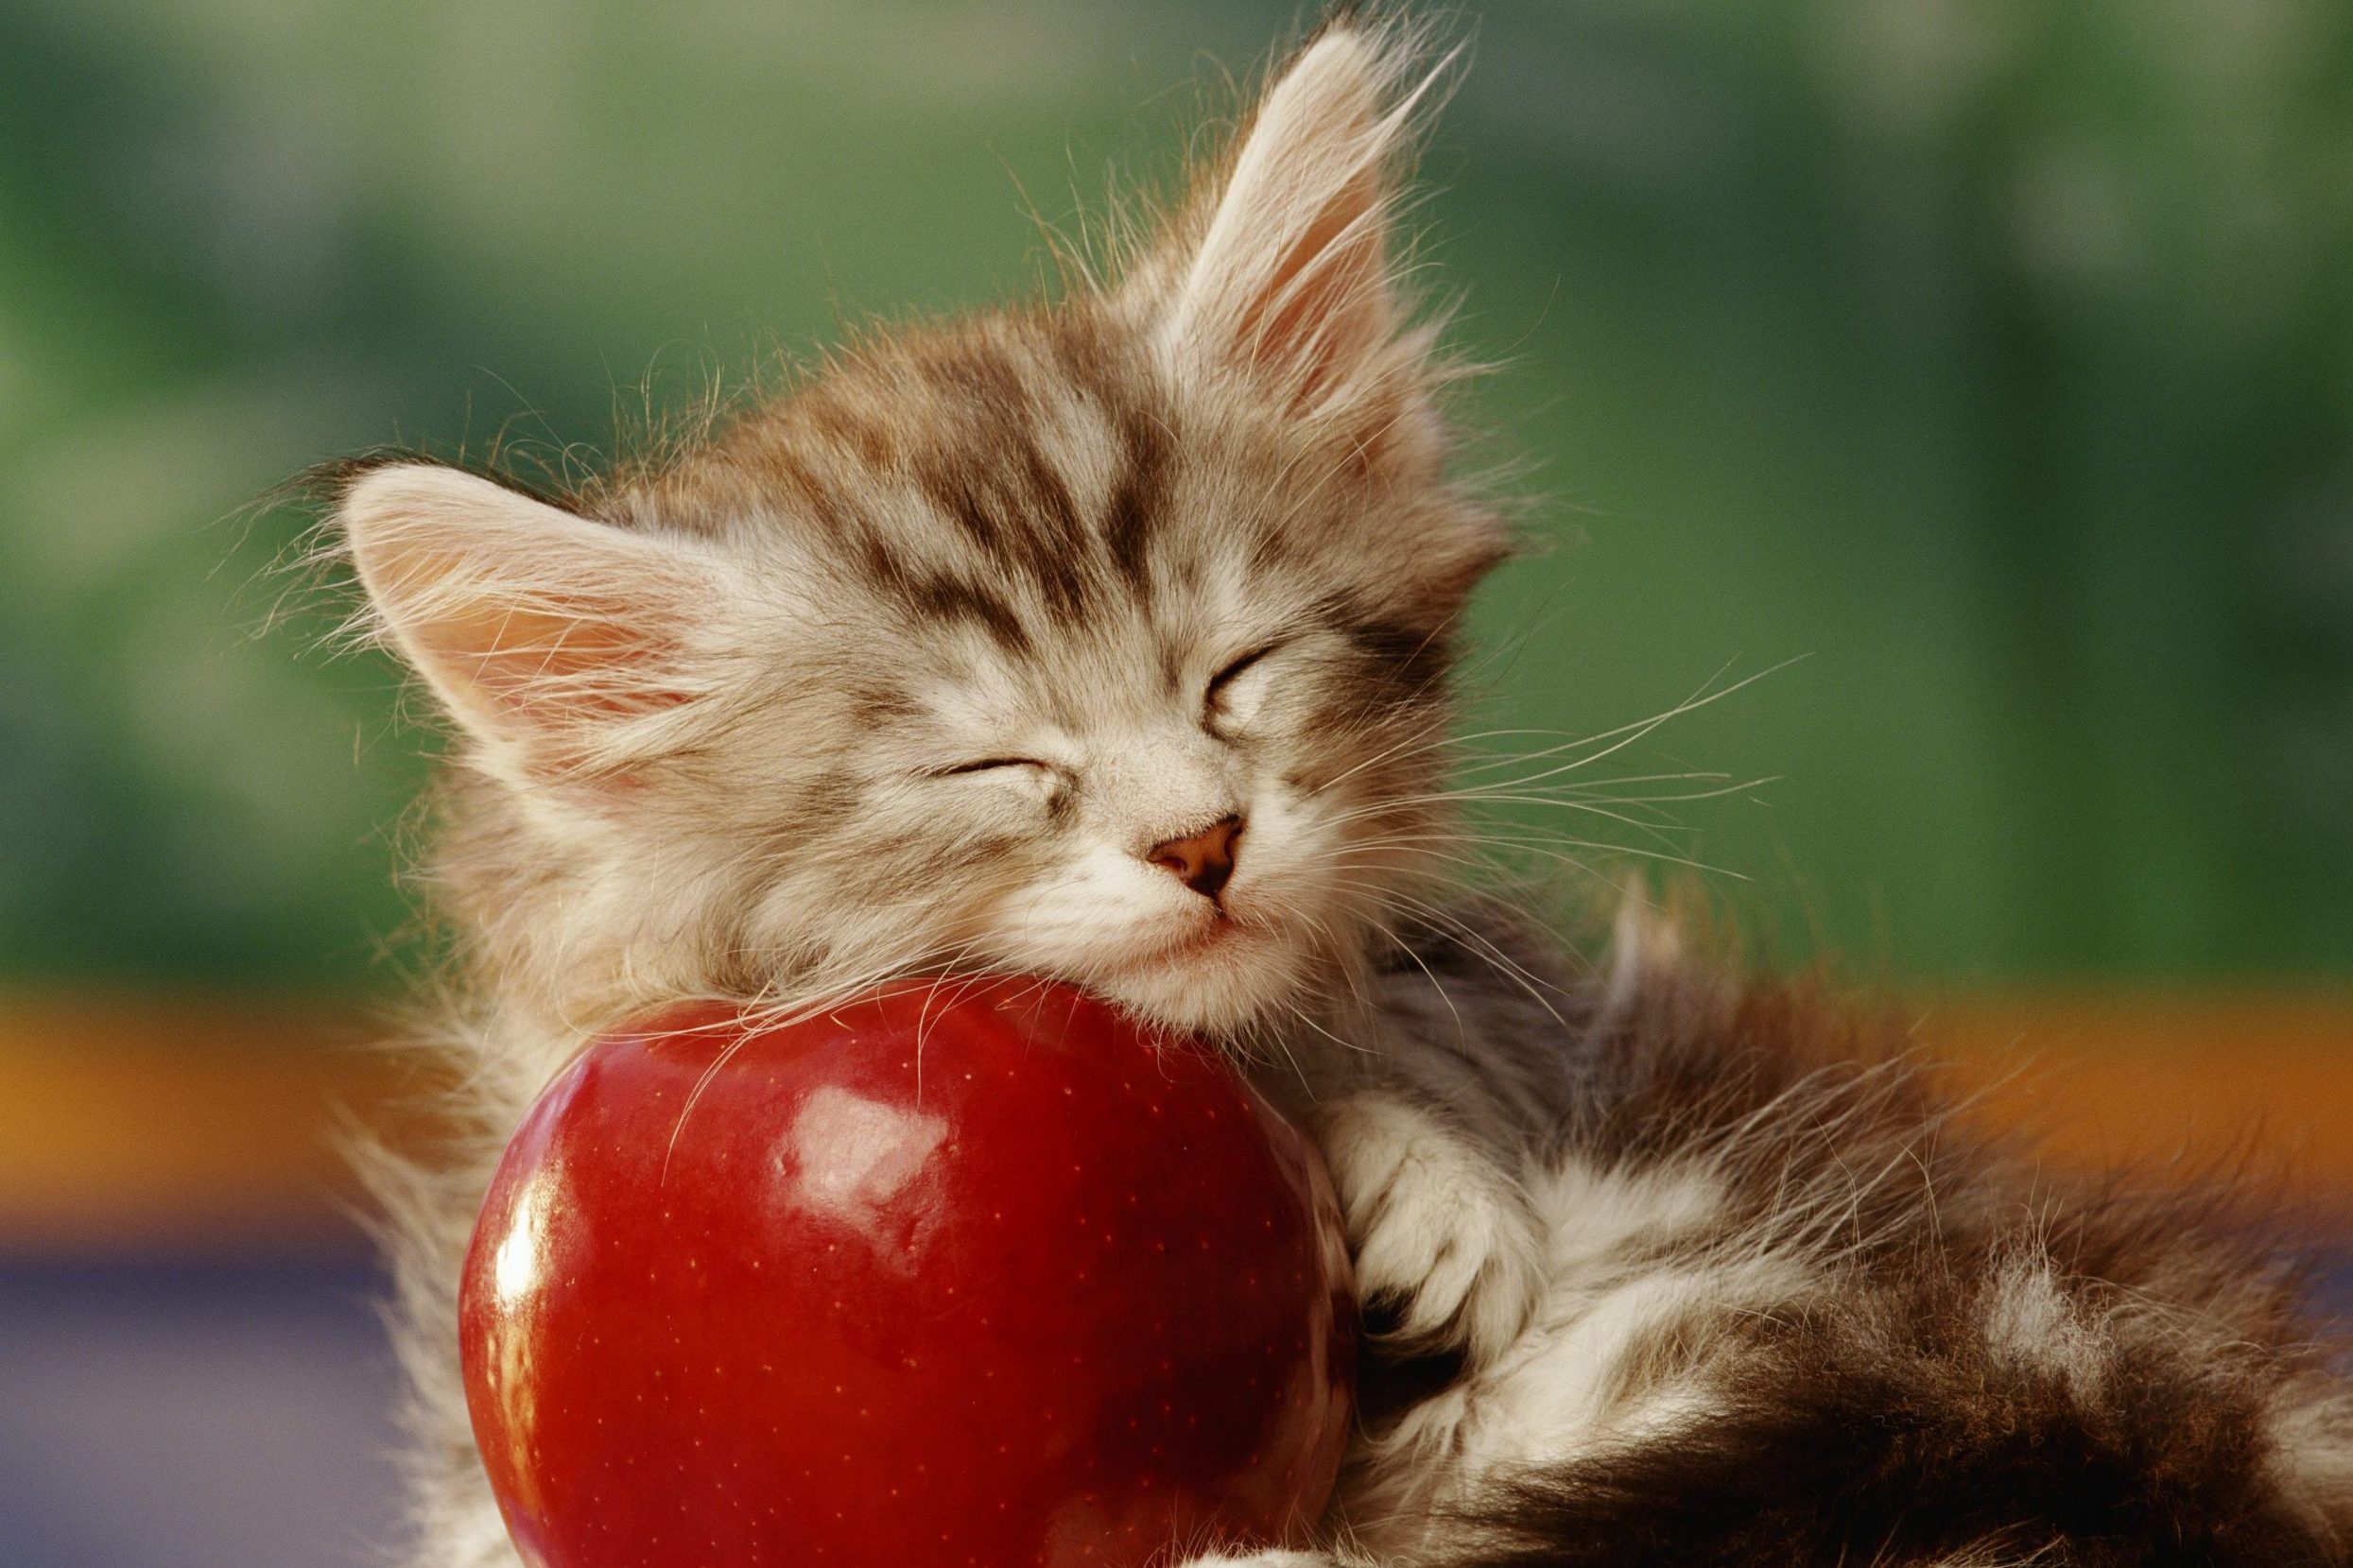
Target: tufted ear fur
{"x": 1282, "y": 265}
{"x": 552, "y": 640}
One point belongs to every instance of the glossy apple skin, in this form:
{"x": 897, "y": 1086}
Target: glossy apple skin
{"x": 1046, "y": 1292}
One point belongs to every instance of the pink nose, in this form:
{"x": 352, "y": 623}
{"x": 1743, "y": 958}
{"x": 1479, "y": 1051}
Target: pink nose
{"x": 1203, "y": 861}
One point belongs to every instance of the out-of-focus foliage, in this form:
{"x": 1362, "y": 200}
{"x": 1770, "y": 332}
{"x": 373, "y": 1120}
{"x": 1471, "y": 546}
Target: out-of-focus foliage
{"x": 1993, "y": 354}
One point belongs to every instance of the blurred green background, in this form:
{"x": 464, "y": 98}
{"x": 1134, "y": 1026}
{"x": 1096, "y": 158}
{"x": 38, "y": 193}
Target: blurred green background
{"x": 1995, "y": 355}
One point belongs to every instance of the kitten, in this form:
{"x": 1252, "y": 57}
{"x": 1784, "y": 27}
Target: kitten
{"x": 1109, "y": 639}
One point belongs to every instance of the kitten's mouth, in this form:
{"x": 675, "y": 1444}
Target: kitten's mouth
{"x": 1219, "y": 930}
{"x": 1214, "y": 974}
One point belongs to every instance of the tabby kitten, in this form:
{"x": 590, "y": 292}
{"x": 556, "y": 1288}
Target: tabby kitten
{"x": 1109, "y": 639}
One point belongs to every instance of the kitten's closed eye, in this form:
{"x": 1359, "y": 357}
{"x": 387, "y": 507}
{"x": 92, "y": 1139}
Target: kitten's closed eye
{"x": 1221, "y": 700}
{"x": 985, "y": 765}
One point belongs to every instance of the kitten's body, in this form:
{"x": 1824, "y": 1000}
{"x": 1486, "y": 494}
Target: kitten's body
{"x": 929, "y": 665}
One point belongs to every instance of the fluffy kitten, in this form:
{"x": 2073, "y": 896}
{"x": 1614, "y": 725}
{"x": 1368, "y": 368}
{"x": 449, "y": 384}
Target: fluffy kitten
{"x": 1109, "y": 639}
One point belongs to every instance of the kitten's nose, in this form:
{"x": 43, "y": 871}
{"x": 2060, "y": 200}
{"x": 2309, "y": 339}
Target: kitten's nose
{"x": 1203, "y": 861}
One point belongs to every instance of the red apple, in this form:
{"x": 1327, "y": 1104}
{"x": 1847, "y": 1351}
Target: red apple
{"x": 987, "y": 1277}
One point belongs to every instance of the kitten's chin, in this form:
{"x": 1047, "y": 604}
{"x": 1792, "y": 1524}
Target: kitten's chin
{"x": 1216, "y": 988}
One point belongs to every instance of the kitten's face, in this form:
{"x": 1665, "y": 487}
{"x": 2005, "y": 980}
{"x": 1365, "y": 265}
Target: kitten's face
{"x": 1052, "y": 655}
{"x": 1104, "y": 642}
{"x": 1183, "y": 831}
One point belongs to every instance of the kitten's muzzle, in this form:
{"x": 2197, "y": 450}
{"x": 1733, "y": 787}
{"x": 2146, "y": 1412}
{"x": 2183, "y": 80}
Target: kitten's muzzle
{"x": 1203, "y": 861}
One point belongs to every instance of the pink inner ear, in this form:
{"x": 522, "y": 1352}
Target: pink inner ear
{"x": 551, "y": 668}
{"x": 1325, "y": 309}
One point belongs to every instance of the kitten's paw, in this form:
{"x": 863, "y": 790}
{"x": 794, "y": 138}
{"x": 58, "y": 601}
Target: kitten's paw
{"x": 1265, "y": 1559}
{"x": 1440, "y": 1234}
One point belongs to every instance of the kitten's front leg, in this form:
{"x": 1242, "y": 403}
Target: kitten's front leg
{"x": 1440, "y": 1230}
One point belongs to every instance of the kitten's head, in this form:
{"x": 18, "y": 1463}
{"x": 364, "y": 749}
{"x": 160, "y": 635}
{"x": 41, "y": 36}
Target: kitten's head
{"x": 1106, "y": 639}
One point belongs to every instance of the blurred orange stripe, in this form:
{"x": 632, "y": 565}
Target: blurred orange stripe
{"x": 2183, "y": 1082}
{"x": 152, "y": 1120}
{"x": 199, "y": 1121}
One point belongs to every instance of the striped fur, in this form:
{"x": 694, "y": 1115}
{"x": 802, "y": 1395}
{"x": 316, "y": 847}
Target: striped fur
{"x": 907, "y": 670}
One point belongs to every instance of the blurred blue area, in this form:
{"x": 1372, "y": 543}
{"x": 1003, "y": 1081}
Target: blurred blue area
{"x": 195, "y": 1414}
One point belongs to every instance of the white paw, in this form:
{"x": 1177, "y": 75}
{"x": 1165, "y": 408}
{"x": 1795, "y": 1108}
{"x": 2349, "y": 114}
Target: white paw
{"x": 1439, "y": 1233}
{"x": 1264, "y": 1560}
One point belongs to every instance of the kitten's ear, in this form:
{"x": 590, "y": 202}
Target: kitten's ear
{"x": 1282, "y": 267}
{"x": 537, "y": 629}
